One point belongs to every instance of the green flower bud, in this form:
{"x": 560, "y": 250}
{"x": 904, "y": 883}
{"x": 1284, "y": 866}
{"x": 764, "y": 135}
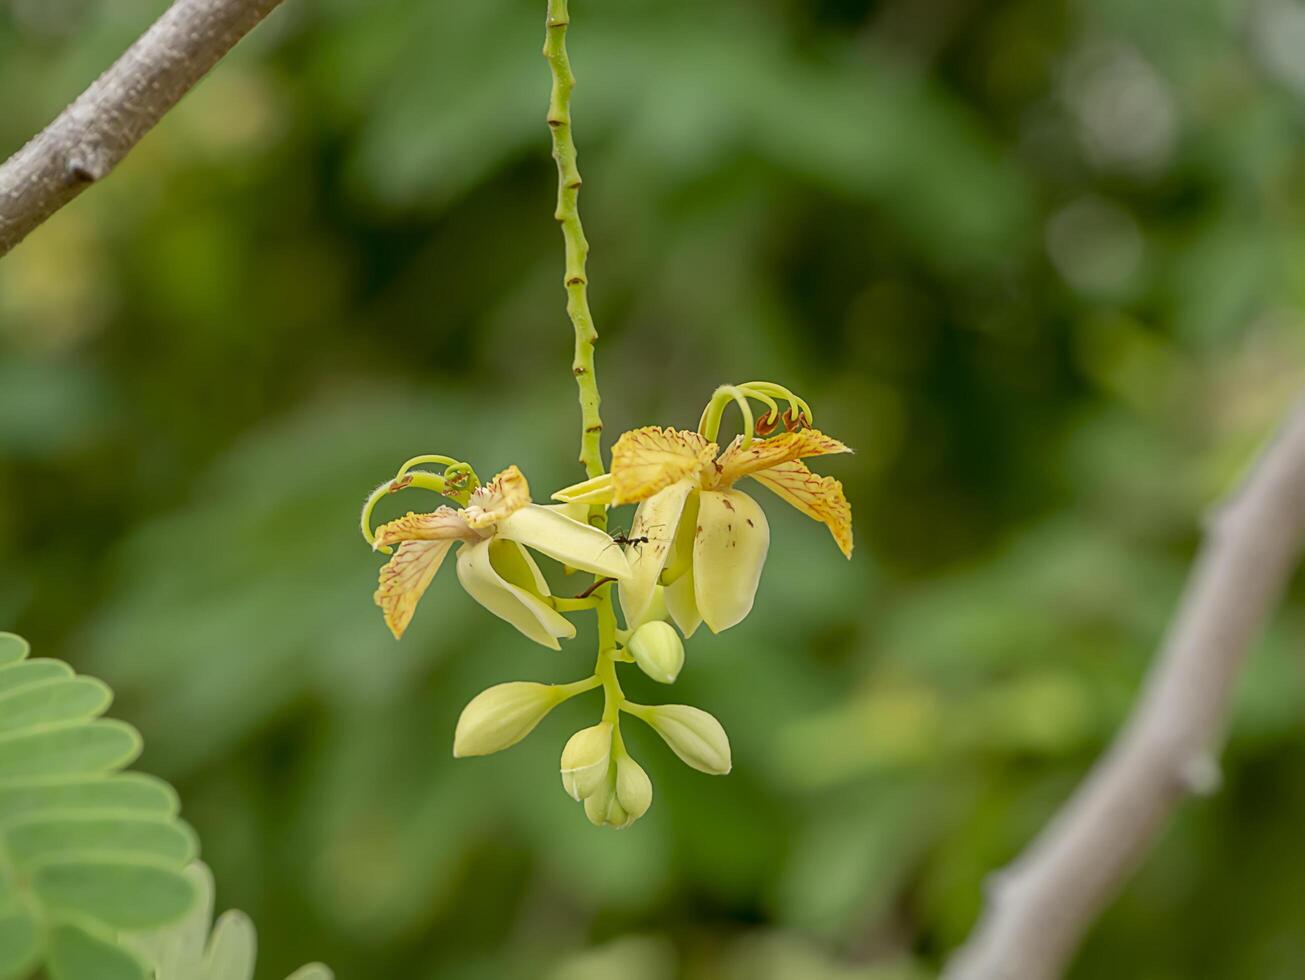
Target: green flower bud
{"x": 586, "y": 759}
{"x": 623, "y": 797}
{"x": 604, "y": 810}
{"x": 695, "y": 736}
{"x": 501, "y": 716}
{"x": 658, "y": 651}
{"x": 633, "y": 789}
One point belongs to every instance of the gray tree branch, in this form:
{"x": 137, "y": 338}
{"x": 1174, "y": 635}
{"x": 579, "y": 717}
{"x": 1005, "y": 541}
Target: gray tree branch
{"x": 1039, "y": 908}
{"x": 88, "y": 138}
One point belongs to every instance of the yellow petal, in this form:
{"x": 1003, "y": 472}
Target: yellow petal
{"x": 736, "y": 461}
{"x": 650, "y": 459}
{"x": 575, "y": 511}
{"x": 570, "y": 542}
{"x": 729, "y": 549}
{"x": 507, "y": 493}
{"x": 597, "y": 490}
{"x": 819, "y": 497}
{"x": 445, "y": 524}
{"x": 521, "y": 607}
{"x": 404, "y": 579}
{"x": 682, "y": 605}
{"x": 657, "y": 518}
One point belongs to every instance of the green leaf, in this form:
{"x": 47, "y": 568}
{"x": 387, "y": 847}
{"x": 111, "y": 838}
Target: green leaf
{"x": 85, "y": 850}
{"x": 20, "y": 941}
{"x": 13, "y": 648}
{"x": 53, "y": 701}
{"x": 42, "y": 839}
{"x": 233, "y": 948}
{"x": 18, "y": 675}
{"x": 127, "y": 793}
{"x": 68, "y": 748}
{"x": 186, "y": 951}
{"x": 313, "y": 971}
{"x": 77, "y": 953}
{"x": 123, "y": 894}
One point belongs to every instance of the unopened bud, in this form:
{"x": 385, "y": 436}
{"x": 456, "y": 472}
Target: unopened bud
{"x": 604, "y": 809}
{"x": 633, "y": 789}
{"x": 501, "y": 716}
{"x": 694, "y": 735}
{"x": 586, "y": 759}
{"x": 658, "y": 650}
{"x": 622, "y": 800}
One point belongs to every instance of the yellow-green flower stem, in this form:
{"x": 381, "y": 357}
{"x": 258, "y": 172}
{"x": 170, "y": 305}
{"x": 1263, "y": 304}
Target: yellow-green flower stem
{"x": 605, "y": 668}
{"x": 765, "y": 392}
{"x": 576, "y": 282}
{"x": 565, "y": 691}
{"x": 575, "y": 279}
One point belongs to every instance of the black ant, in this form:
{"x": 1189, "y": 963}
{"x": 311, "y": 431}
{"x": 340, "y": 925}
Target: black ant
{"x": 638, "y": 540}
{"x": 620, "y": 537}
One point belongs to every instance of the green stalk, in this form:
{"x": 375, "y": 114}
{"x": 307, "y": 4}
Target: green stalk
{"x": 576, "y": 282}
{"x": 567, "y": 214}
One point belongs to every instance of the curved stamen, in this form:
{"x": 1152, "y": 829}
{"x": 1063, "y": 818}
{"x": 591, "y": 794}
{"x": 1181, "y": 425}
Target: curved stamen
{"x": 427, "y": 458}
{"x": 796, "y": 404}
{"x": 709, "y": 424}
{"x": 457, "y": 483}
{"x": 366, "y": 519}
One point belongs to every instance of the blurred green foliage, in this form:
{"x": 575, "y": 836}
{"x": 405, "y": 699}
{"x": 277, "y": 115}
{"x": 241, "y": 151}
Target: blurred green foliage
{"x": 1039, "y": 262}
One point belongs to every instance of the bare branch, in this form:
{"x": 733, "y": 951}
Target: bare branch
{"x": 88, "y": 138}
{"x": 1039, "y": 908}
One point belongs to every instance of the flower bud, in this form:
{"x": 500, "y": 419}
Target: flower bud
{"x": 658, "y": 651}
{"x": 633, "y": 789}
{"x": 586, "y": 759}
{"x": 604, "y": 810}
{"x": 695, "y": 736}
{"x": 621, "y": 801}
{"x": 501, "y": 716}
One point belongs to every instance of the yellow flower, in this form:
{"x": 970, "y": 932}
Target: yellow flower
{"x": 494, "y": 567}
{"x": 707, "y": 542}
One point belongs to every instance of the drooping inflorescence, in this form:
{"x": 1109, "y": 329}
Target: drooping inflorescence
{"x": 694, "y": 555}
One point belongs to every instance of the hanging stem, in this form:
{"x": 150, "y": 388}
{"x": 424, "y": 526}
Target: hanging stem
{"x": 576, "y": 282}
{"x": 573, "y": 234}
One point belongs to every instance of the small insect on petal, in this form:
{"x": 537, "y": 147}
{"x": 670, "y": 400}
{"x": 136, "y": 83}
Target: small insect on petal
{"x": 656, "y": 519}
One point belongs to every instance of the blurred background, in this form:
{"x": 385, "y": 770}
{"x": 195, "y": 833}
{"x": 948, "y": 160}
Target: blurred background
{"x": 1039, "y": 262}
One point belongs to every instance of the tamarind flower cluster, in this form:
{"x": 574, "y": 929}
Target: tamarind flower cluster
{"x": 694, "y": 555}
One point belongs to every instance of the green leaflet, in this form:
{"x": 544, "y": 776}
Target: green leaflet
{"x": 91, "y": 857}
{"x": 78, "y": 952}
{"x": 86, "y": 850}
{"x": 187, "y": 950}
